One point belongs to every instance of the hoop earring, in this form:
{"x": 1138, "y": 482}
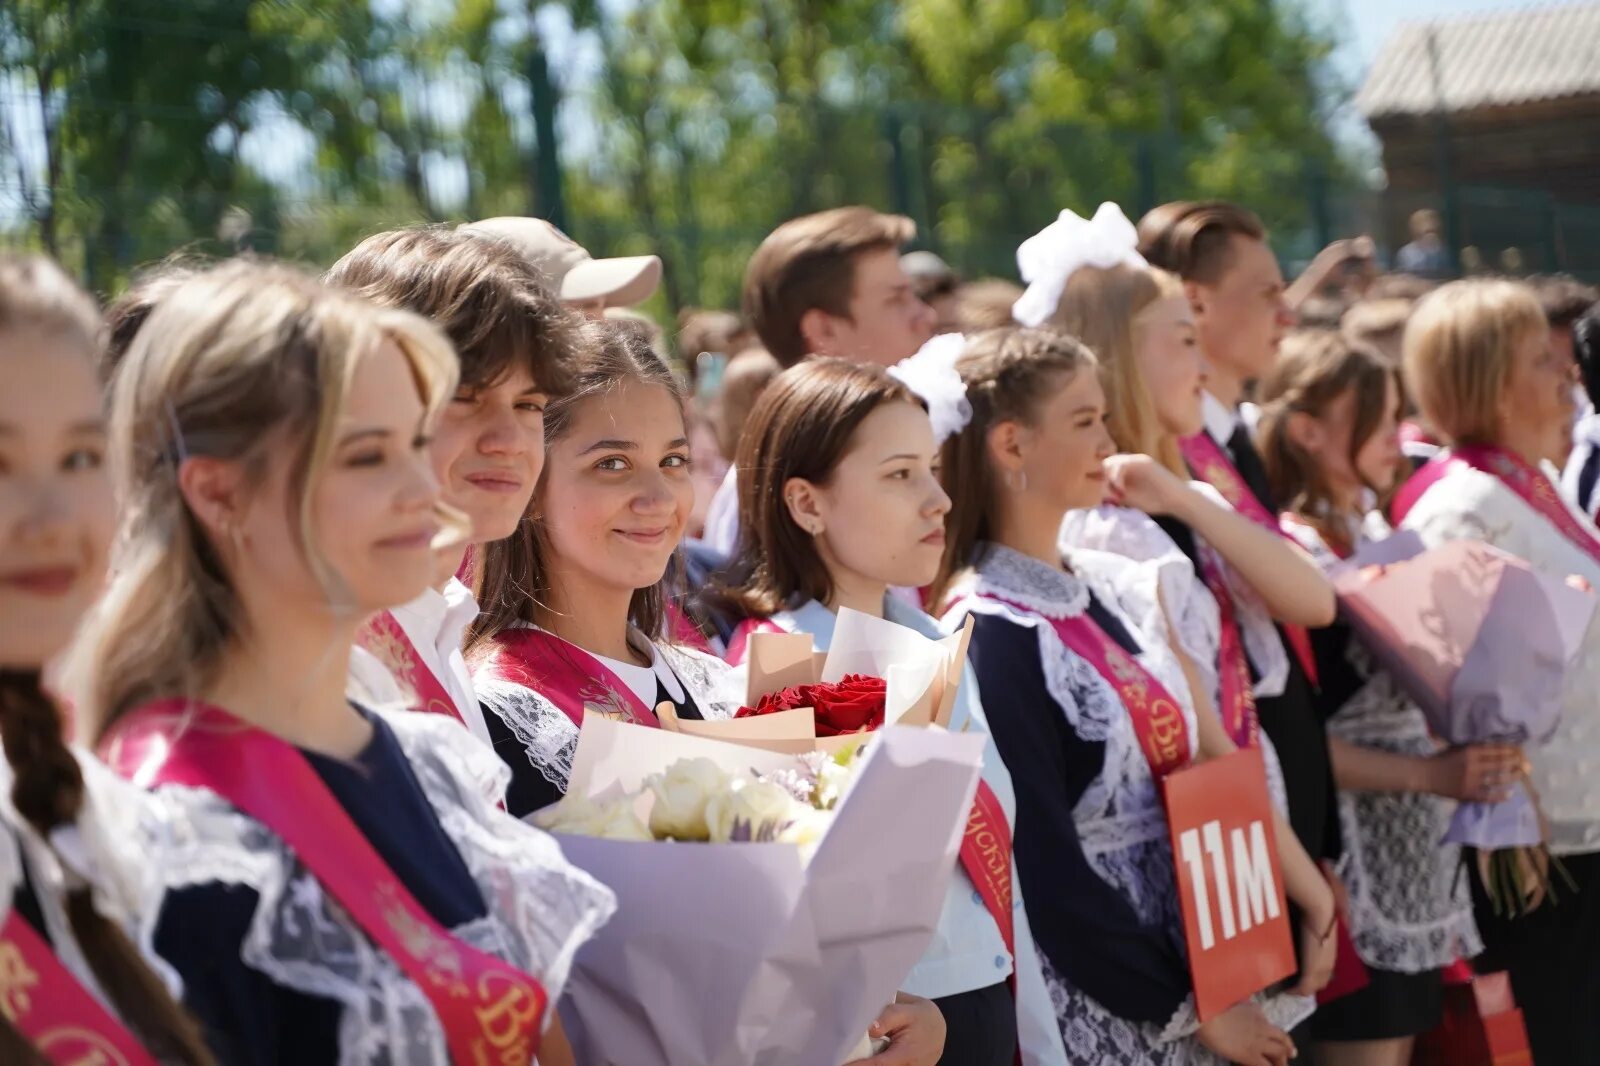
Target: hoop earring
{"x": 1012, "y": 483}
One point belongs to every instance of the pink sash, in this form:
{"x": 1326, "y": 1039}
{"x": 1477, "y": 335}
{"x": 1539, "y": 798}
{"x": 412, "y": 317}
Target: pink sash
{"x": 739, "y": 643}
{"x": 1528, "y": 482}
{"x": 491, "y": 1012}
{"x": 52, "y": 1010}
{"x": 1157, "y": 719}
{"x": 567, "y": 676}
{"x": 1212, "y": 465}
{"x": 387, "y": 641}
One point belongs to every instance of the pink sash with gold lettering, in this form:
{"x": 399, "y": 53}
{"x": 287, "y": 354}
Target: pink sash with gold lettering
{"x": 1157, "y": 719}
{"x": 388, "y": 643}
{"x": 1212, "y": 465}
{"x": 51, "y": 1008}
{"x": 566, "y": 675}
{"x": 490, "y": 1011}
{"x": 1528, "y": 482}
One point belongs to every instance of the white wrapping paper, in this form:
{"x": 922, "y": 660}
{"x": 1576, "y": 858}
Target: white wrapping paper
{"x": 740, "y": 954}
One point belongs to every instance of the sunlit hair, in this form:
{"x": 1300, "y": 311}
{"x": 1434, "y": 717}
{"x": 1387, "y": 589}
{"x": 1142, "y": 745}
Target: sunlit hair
{"x": 47, "y": 783}
{"x": 128, "y": 313}
{"x": 1011, "y": 374}
{"x": 243, "y": 363}
{"x": 516, "y": 570}
{"x": 35, "y": 294}
{"x": 498, "y": 311}
{"x": 1194, "y": 239}
{"x": 1103, "y": 309}
{"x": 801, "y": 427}
{"x": 1459, "y": 346}
{"x": 1315, "y": 368}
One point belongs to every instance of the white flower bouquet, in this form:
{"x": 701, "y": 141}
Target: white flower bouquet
{"x": 769, "y": 904}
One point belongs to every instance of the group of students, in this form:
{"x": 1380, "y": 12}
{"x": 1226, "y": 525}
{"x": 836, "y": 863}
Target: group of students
{"x": 307, "y": 584}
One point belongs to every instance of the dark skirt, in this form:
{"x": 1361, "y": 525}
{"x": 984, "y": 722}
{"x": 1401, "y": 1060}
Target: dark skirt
{"x": 980, "y": 1027}
{"x": 1392, "y": 1005}
{"x": 1553, "y": 956}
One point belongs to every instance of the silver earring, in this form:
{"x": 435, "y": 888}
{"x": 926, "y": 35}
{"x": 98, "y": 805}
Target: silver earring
{"x": 1014, "y": 485}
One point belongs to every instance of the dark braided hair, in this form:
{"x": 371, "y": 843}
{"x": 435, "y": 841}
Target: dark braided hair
{"x": 48, "y": 791}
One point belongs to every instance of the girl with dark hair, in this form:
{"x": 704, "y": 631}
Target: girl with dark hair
{"x": 1061, "y": 634}
{"x": 332, "y": 883}
{"x": 1329, "y": 436}
{"x": 67, "y": 861}
{"x": 575, "y": 602}
{"x": 1581, "y": 475}
{"x": 841, "y": 504}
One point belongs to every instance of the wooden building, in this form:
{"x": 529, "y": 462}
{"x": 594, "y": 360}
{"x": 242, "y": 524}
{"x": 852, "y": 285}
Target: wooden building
{"x": 1494, "y": 119}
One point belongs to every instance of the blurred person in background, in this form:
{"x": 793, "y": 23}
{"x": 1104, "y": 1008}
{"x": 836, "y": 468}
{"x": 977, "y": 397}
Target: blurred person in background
{"x": 1425, "y": 256}
{"x": 829, "y": 283}
{"x": 1378, "y": 324}
{"x": 936, "y": 285}
{"x": 986, "y": 304}
{"x": 1582, "y": 471}
{"x": 583, "y": 282}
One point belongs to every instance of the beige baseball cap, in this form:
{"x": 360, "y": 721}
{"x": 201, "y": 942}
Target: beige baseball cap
{"x": 577, "y": 276}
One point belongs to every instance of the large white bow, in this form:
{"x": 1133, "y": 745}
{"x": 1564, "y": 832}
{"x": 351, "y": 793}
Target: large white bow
{"x": 931, "y": 373}
{"x": 1048, "y": 258}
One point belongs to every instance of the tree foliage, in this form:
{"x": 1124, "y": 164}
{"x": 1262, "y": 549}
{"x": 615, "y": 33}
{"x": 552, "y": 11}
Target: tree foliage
{"x": 688, "y": 127}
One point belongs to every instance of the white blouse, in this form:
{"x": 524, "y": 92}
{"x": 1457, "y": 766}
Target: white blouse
{"x": 1469, "y": 504}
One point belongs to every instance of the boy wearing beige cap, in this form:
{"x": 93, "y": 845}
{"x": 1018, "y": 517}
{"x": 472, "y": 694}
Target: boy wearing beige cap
{"x": 583, "y": 282}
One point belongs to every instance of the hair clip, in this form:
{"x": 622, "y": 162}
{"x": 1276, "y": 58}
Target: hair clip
{"x": 178, "y": 443}
{"x": 931, "y": 373}
{"x": 1050, "y": 257}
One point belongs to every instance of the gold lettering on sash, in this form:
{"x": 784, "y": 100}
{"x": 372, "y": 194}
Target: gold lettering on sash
{"x": 438, "y": 955}
{"x": 510, "y": 1017}
{"x": 72, "y": 1046}
{"x": 17, "y": 980}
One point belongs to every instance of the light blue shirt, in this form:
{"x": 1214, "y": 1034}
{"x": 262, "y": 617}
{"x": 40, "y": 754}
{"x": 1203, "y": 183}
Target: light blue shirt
{"x": 967, "y": 952}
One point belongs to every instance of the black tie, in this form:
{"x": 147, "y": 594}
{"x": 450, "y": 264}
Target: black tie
{"x": 1246, "y": 460}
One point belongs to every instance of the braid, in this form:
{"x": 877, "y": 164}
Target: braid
{"x": 48, "y": 792}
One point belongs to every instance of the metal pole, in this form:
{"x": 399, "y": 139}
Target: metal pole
{"x": 548, "y": 199}
{"x": 1442, "y": 157}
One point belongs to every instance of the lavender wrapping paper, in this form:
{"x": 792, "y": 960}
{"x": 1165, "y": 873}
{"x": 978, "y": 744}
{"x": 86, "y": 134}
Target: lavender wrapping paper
{"x": 1481, "y": 641}
{"x": 743, "y": 955}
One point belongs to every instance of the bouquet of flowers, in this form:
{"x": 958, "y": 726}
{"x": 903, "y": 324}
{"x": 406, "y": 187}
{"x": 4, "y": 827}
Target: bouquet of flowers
{"x": 770, "y": 902}
{"x": 1482, "y": 642}
{"x": 875, "y": 673}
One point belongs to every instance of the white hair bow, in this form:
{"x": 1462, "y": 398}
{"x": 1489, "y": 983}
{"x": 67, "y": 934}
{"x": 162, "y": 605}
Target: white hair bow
{"x": 1048, "y": 258}
{"x": 931, "y": 373}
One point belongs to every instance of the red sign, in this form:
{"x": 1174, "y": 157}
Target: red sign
{"x": 1235, "y": 916}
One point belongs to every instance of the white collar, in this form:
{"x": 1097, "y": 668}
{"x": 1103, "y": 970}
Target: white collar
{"x": 1221, "y": 420}
{"x": 440, "y": 615}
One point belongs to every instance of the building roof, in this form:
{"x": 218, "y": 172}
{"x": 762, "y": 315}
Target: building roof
{"x": 1486, "y": 61}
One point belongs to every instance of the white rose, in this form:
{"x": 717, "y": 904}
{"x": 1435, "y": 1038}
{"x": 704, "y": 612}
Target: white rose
{"x": 574, "y": 814}
{"x": 831, "y": 780}
{"x": 750, "y": 811}
{"x": 681, "y": 796}
{"x": 619, "y": 821}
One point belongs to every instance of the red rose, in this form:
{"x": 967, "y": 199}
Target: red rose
{"x": 853, "y": 705}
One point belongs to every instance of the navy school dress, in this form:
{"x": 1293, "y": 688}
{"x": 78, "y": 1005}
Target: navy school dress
{"x": 250, "y": 1020}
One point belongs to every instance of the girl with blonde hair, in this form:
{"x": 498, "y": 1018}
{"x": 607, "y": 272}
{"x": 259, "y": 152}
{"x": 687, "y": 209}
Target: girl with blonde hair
{"x": 331, "y": 883}
{"x": 68, "y": 859}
